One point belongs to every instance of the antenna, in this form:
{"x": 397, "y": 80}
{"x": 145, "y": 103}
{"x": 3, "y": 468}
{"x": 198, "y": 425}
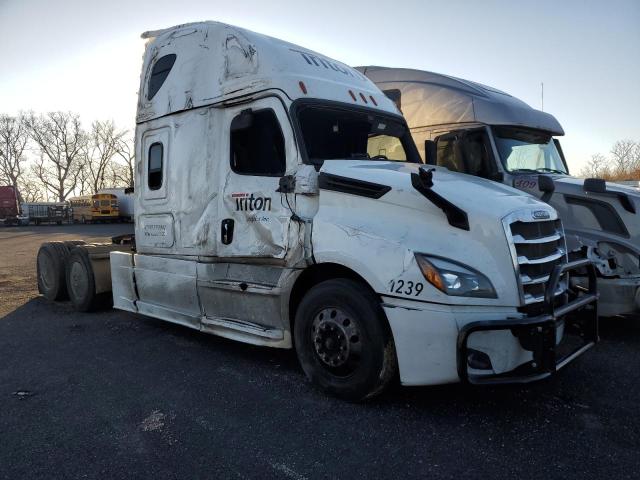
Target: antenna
{"x": 542, "y": 94}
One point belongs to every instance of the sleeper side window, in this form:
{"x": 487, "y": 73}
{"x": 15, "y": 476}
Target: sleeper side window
{"x": 159, "y": 74}
{"x": 154, "y": 170}
{"x": 257, "y": 144}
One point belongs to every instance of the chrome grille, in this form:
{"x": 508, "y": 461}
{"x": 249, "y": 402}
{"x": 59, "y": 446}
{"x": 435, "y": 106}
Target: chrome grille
{"x": 538, "y": 246}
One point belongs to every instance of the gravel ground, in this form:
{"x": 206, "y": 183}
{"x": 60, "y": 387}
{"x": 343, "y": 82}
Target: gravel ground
{"x": 116, "y": 395}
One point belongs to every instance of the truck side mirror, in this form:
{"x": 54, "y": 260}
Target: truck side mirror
{"x": 546, "y": 184}
{"x": 430, "y": 152}
{"x": 242, "y": 121}
{"x": 595, "y": 185}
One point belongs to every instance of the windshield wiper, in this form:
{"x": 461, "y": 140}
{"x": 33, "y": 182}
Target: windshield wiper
{"x": 527, "y": 170}
{"x": 550, "y": 170}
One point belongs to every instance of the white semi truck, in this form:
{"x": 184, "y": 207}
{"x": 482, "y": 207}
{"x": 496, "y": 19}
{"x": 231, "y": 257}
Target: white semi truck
{"x": 270, "y": 210}
{"x": 478, "y": 130}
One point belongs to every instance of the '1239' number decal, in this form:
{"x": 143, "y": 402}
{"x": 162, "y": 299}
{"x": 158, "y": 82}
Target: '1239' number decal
{"x": 406, "y": 288}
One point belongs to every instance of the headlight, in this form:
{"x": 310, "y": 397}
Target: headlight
{"x": 454, "y": 278}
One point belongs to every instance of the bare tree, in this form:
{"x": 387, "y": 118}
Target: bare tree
{"x": 622, "y": 157}
{"x": 84, "y": 183}
{"x": 126, "y": 151}
{"x": 13, "y": 141}
{"x": 635, "y": 159}
{"x": 103, "y": 145}
{"x": 62, "y": 144}
{"x": 29, "y": 188}
{"x": 597, "y": 167}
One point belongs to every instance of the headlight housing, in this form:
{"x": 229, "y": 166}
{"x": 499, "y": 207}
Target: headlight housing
{"x": 454, "y": 278}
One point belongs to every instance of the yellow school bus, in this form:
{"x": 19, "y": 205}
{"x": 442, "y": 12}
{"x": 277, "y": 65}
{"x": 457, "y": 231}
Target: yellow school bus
{"x": 101, "y": 207}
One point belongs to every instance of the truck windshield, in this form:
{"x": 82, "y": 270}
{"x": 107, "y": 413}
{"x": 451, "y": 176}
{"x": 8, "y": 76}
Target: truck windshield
{"x": 523, "y": 150}
{"x": 331, "y": 133}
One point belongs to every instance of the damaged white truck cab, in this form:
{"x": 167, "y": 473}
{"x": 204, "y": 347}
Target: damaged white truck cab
{"x": 280, "y": 201}
{"x": 478, "y": 130}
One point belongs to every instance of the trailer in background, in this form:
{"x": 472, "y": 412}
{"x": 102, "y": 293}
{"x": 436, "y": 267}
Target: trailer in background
{"x": 45, "y": 212}
{"x": 125, "y": 201}
{"x": 9, "y": 206}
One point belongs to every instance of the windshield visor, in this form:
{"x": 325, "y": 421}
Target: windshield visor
{"x": 527, "y": 151}
{"x": 331, "y": 133}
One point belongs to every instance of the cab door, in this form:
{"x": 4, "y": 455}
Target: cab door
{"x": 255, "y": 216}
{"x": 240, "y": 294}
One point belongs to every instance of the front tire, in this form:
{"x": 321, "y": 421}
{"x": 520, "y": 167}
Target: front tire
{"x": 343, "y": 341}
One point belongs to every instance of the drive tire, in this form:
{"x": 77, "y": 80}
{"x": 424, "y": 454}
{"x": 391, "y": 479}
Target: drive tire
{"x": 343, "y": 340}
{"x": 50, "y": 266}
{"x": 81, "y": 283}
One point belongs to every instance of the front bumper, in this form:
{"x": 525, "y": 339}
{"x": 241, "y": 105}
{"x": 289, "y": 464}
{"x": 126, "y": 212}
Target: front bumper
{"x": 539, "y": 334}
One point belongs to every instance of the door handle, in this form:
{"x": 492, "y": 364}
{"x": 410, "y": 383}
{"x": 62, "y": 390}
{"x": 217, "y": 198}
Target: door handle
{"x": 226, "y": 231}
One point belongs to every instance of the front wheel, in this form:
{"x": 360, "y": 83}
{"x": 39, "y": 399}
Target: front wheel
{"x": 343, "y": 341}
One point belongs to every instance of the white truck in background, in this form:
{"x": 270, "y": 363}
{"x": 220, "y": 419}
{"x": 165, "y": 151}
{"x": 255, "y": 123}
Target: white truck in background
{"x": 477, "y": 130}
{"x": 270, "y": 210}
{"x": 125, "y": 201}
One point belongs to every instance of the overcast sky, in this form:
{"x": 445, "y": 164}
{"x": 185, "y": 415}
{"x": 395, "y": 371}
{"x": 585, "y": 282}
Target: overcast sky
{"x": 85, "y": 56}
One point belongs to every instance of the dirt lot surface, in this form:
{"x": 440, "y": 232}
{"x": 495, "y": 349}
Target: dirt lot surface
{"x": 114, "y": 395}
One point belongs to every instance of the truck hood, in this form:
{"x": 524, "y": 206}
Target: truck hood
{"x": 372, "y": 206}
{"x": 476, "y": 196}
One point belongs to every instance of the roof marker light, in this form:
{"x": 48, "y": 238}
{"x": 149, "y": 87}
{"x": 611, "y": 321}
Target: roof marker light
{"x": 353, "y": 95}
{"x": 373, "y": 100}
{"x": 364, "y": 99}
{"x": 303, "y": 87}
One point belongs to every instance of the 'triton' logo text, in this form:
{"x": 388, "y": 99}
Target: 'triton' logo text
{"x": 246, "y": 202}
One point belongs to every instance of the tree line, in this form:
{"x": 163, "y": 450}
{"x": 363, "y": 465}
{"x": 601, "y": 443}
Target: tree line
{"x": 50, "y": 156}
{"x": 622, "y": 163}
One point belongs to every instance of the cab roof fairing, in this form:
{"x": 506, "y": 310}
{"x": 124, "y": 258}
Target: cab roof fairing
{"x": 434, "y": 99}
{"x": 216, "y": 62}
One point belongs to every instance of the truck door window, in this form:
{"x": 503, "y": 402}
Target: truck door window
{"x": 257, "y": 145}
{"x": 465, "y": 152}
{"x": 449, "y": 155}
{"x": 476, "y": 153}
{"x": 154, "y": 171}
